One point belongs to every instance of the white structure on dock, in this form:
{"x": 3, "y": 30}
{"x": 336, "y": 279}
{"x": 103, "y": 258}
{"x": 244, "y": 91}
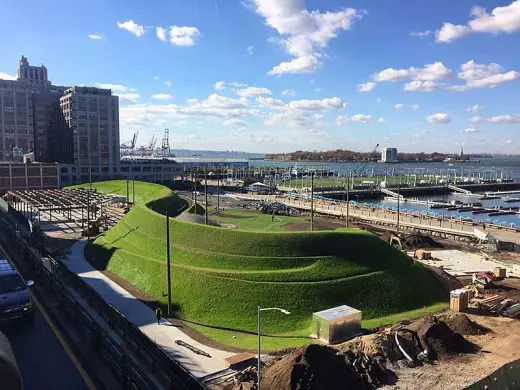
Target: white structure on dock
{"x": 389, "y": 155}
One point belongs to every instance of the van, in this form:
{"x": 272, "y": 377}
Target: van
{"x": 15, "y": 300}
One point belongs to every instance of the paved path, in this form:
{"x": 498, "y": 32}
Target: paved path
{"x": 142, "y": 316}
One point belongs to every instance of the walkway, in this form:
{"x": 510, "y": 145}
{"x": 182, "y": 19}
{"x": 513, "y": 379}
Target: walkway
{"x": 165, "y": 335}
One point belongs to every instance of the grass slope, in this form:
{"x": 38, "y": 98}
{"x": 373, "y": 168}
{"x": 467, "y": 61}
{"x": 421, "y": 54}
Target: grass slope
{"x": 256, "y": 222}
{"x": 219, "y": 276}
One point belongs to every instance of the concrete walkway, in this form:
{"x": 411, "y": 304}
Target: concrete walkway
{"x": 143, "y": 317}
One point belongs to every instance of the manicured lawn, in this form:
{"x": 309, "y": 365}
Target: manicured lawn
{"x": 219, "y": 276}
{"x": 256, "y": 222}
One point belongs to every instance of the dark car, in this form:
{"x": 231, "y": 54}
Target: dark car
{"x": 15, "y": 300}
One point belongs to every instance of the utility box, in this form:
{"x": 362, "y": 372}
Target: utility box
{"x": 337, "y": 324}
{"x": 459, "y": 300}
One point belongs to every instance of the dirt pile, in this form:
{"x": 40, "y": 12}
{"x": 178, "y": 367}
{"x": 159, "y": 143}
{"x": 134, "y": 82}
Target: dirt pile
{"x": 417, "y": 241}
{"x": 461, "y": 324}
{"x": 317, "y": 367}
{"x": 439, "y": 340}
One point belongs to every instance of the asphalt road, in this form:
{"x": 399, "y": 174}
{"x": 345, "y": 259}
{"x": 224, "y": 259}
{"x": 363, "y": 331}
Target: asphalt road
{"x": 42, "y": 359}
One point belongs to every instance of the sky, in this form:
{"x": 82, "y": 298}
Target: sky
{"x": 287, "y": 75}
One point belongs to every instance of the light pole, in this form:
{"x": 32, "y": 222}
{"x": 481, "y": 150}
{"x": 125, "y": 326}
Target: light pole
{"x": 260, "y": 310}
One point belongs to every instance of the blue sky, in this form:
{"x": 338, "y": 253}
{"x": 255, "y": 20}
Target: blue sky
{"x": 273, "y": 76}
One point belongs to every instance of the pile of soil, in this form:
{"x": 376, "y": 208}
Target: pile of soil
{"x": 314, "y": 367}
{"x": 461, "y": 324}
{"x": 418, "y": 241}
{"x": 439, "y": 340}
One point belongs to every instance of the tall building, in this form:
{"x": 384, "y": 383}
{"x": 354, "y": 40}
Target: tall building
{"x": 92, "y": 114}
{"x": 28, "y": 107}
{"x": 388, "y": 155}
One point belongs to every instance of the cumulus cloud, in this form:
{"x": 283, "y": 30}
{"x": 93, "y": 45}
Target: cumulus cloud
{"x": 361, "y": 118}
{"x": 289, "y": 92}
{"x": 326, "y": 104}
{"x": 96, "y": 37}
{"x": 161, "y": 96}
{"x": 439, "y": 118}
{"x": 421, "y": 34}
{"x": 505, "y": 119}
{"x": 235, "y": 122}
{"x": 132, "y": 27}
{"x": 381, "y": 120}
{"x": 116, "y": 88}
{"x": 269, "y": 101}
{"x": 342, "y": 120}
{"x": 303, "y": 34}
{"x": 504, "y": 19}
{"x": 253, "y": 91}
{"x": 366, "y": 87}
{"x": 6, "y": 76}
{"x": 219, "y": 85}
{"x": 474, "y": 109}
{"x": 475, "y": 119}
{"x": 421, "y": 86}
{"x": 431, "y": 72}
{"x": 178, "y": 35}
{"x": 398, "y": 106}
{"x": 485, "y": 76}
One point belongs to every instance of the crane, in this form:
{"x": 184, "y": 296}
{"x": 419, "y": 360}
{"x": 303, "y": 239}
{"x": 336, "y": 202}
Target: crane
{"x": 127, "y": 148}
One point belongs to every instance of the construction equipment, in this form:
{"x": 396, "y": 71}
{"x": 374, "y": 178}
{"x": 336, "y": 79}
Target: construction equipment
{"x": 164, "y": 150}
{"x": 483, "y": 279}
{"x": 127, "y": 148}
{"x": 395, "y": 241}
{"x": 148, "y": 151}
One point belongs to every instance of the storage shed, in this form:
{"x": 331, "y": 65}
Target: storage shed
{"x": 337, "y": 324}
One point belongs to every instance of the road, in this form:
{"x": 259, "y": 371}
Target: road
{"x": 43, "y": 360}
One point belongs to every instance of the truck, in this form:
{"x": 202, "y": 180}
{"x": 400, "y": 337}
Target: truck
{"x": 16, "y": 303}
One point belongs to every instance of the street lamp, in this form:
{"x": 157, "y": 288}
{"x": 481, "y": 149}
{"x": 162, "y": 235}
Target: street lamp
{"x": 260, "y": 309}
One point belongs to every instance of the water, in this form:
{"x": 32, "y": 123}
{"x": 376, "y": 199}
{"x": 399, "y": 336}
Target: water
{"x": 487, "y": 168}
{"x": 491, "y": 203}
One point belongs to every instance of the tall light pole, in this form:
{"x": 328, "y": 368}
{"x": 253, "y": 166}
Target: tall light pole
{"x": 398, "y": 205}
{"x": 260, "y": 310}
{"x": 206, "y": 195}
{"x": 312, "y": 201}
{"x": 168, "y": 265}
{"x": 348, "y": 199}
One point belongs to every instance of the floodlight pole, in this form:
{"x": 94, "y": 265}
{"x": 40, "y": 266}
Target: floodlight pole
{"x": 398, "y": 205}
{"x": 218, "y": 192}
{"x": 127, "y": 191}
{"x": 195, "y": 190}
{"x": 168, "y": 263}
{"x": 348, "y": 199}
{"x": 88, "y": 215}
{"x": 133, "y": 190}
{"x": 206, "y": 195}
{"x": 312, "y": 201}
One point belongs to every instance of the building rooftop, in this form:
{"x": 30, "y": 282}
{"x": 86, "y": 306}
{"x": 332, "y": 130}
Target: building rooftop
{"x": 337, "y": 312}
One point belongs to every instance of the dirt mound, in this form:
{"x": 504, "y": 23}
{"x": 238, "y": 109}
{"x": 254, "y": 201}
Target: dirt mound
{"x": 314, "y": 367}
{"x": 460, "y": 323}
{"x": 417, "y": 241}
{"x": 439, "y": 340}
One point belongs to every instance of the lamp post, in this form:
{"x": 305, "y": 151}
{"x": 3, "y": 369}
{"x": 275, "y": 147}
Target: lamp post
{"x": 260, "y": 310}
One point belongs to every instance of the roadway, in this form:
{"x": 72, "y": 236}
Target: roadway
{"x": 45, "y": 363}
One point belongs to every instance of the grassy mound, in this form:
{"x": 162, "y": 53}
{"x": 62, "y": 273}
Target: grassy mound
{"x": 219, "y": 276}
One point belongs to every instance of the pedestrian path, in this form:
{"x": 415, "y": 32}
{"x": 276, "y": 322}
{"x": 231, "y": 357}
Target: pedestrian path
{"x": 165, "y": 335}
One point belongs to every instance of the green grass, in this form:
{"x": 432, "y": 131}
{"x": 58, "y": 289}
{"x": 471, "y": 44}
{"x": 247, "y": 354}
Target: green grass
{"x": 219, "y": 276}
{"x": 256, "y": 222}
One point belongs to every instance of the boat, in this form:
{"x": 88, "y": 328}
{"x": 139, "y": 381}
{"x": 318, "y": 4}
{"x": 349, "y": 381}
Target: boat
{"x": 481, "y": 211}
{"x": 496, "y": 213}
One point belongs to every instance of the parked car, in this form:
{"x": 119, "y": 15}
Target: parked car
{"x": 15, "y": 300}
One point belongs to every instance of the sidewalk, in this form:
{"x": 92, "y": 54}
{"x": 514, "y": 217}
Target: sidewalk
{"x": 143, "y": 317}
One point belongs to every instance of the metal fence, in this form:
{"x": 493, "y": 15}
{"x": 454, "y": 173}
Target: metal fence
{"x": 58, "y": 278}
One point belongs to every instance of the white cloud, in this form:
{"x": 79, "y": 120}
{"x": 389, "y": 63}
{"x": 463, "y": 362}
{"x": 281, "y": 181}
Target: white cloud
{"x": 6, "y": 76}
{"x": 366, "y": 87}
{"x": 184, "y": 35}
{"x": 504, "y": 19}
{"x": 161, "y": 33}
{"x": 250, "y": 50}
{"x": 381, "y": 120}
{"x": 342, "y": 120}
{"x": 469, "y": 130}
{"x": 398, "y": 106}
{"x": 361, "y": 118}
{"x": 269, "y": 101}
{"x": 288, "y": 92}
{"x": 161, "y": 96}
{"x": 415, "y": 107}
{"x": 421, "y": 34}
{"x": 484, "y": 76}
{"x": 168, "y": 83}
{"x": 333, "y": 103}
{"x": 132, "y": 27}
{"x": 129, "y": 96}
{"x": 475, "y": 119}
{"x": 421, "y": 86}
{"x": 116, "y": 88}
{"x": 439, "y": 118}
{"x": 304, "y": 34}
{"x": 235, "y": 122}
{"x": 505, "y": 119}
{"x": 253, "y": 91}
{"x": 96, "y": 37}
{"x": 451, "y": 32}
{"x": 219, "y": 85}
{"x": 474, "y": 109}
{"x": 430, "y": 72}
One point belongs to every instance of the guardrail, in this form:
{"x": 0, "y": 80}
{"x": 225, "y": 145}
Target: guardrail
{"x": 56, "y": 276}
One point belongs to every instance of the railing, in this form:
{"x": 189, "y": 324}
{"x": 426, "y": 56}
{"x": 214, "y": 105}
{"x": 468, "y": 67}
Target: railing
{"x": 55, "y": 275}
